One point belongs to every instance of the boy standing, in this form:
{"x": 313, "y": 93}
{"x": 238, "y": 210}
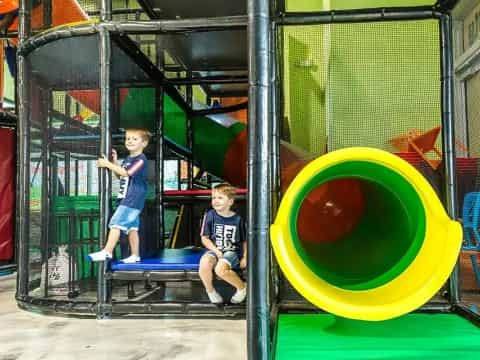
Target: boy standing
{"x": 223, "y": 234}
{"x": 131, "y": 196}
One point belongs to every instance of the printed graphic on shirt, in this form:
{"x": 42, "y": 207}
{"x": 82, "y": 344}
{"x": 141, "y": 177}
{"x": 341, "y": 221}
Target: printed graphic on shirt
{"x": 225, "y": 236}
{"x": 123, "y": 187}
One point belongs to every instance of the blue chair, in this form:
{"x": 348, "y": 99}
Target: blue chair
{"x": 471, "y": 235}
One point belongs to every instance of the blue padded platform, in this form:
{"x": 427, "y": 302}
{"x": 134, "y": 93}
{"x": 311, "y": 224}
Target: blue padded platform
{"x": 167, "y": 259}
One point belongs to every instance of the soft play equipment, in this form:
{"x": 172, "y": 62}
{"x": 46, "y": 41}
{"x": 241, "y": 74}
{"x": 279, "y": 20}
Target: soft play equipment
{"x": 63, "y": 11}
{"x": 7, "y": 193}
{"x": 393, "y": 246}
{"x": 167, "y": 259}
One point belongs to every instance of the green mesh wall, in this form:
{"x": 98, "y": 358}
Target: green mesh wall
{"x": 360, "y": 84}
{"x": 306, "y": 55}
{"x": 324, "y": 5}
{"x": 94, "y": 5}
{"x": 472, "y": 90}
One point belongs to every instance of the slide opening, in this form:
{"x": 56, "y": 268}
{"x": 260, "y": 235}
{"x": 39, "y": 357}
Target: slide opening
{"x": 358, "y": 224}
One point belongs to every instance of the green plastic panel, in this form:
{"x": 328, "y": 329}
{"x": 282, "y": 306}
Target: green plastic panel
{"x": 211, "y": 141}
{"x": 413, "y": 336}
{"x": 138, "y": 110}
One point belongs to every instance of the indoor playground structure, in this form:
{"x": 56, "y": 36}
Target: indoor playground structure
{"x": 334, "y": 118}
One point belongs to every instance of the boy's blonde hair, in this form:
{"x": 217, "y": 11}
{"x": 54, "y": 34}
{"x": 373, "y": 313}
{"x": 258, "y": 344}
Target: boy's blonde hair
{"x": 144, "y": 134}
{"x": 226, "y": 189}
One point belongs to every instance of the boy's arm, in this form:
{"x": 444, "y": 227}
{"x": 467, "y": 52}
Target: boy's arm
{"x": 243, "y": 239}
{"x": 211, "y": 246}
{"x": 243, "y": 260}
{"x": 116, "y": 169}
{"x": 115, "y": 160}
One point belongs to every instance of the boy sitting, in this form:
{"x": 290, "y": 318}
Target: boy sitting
{"x": 223, "y": 234}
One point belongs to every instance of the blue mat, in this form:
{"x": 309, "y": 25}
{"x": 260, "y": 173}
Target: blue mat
{"x": 168, "y": 259}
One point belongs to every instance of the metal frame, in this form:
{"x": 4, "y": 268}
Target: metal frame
{"x": 448, "y": 136}
{"x": 105, "y": 182}
{"x": 259, "y": 180}
{"x": 264, "y": 94}
{"x": 22, "y": 228}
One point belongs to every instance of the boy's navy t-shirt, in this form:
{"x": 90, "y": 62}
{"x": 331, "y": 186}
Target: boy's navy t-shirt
{"x": 133, "y": 188}
{"x": 227, "y": 233}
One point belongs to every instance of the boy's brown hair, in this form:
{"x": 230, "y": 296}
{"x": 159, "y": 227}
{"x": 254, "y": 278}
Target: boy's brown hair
{"x": 226, "y": 189}
{"x": 144, "y": 134}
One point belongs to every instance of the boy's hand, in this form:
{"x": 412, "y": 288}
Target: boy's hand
{"x": 243, "y": 263}
{"x": 218, "y": 253}
{"x": 102, "y": 162}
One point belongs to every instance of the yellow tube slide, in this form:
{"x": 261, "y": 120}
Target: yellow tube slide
{"x": 385, "y": 258}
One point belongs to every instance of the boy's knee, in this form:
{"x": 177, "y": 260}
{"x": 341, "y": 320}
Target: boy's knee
{"x": 206, "y": 263}
{"x": 221, "y": 269}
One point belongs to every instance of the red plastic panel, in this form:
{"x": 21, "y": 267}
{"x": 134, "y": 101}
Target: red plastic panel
{"x": 7, "y": 193}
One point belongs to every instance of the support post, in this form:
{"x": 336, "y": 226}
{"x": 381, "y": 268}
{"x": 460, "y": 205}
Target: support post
{"x": 259, "y": 192}
{"x": 159, "y": 163}
{"x": 46, "y": 199}
{"x": 106, "y": 10}
{"x": 448, "y": 136}
{"x": 105, "y": 181}
{"x": 22, "y": 220}
{"x": 47, "y": 13}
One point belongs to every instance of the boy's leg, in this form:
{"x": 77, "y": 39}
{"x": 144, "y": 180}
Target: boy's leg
{"x": 134, "y": 241}
{"x": 113, "y": 236}
{"x": 224, "y": 272}
{"x": 205, "y": 271}
{"x": 107, "y": 251}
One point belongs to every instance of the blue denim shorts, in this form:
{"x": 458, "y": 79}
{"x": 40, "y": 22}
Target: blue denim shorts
{"x": 125, "y": 218}
{"x": 230, "y": 257}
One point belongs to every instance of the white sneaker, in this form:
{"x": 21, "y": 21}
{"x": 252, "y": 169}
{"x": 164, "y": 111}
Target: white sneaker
{"x": 215, "y": 297}
{"x": 131, "y": 259}
{"x": 239, "y": 296}
{"x": 101, "y": 255}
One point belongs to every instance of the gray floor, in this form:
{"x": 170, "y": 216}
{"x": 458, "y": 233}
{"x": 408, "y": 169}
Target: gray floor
{"x": 25, "y": 335}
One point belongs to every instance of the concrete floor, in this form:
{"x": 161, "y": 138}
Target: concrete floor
{"x": 25, "y": 336}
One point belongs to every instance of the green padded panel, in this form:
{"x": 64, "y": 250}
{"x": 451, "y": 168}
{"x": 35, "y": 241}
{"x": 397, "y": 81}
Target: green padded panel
{"x": 413, "y": 336}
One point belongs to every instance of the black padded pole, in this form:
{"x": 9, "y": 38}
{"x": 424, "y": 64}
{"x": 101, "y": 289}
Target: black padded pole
{"x": 448, "y": 136}
{"x": 159, "y": 167}
{"x": 47, "y": 13}
{"x": 22, "y": 220}
{"x": 160, "y": 150}
{"x": 358, "y": 15}
{"x": 46, "y": 199}
{"x": 259, "y": 192}
{"x": 106, "y": 10}
{"x": 105, "y": 181}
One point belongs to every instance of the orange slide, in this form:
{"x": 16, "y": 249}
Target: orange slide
{"x": 63, "y": 12}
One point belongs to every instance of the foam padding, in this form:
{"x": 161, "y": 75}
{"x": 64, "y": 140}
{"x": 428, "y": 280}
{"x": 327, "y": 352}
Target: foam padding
{"x": 413, "y": 336}
{"x": 167, "y": 259}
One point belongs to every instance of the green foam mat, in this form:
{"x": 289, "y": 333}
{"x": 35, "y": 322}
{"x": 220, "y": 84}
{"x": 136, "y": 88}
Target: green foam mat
{"x": 413, "y": 336}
